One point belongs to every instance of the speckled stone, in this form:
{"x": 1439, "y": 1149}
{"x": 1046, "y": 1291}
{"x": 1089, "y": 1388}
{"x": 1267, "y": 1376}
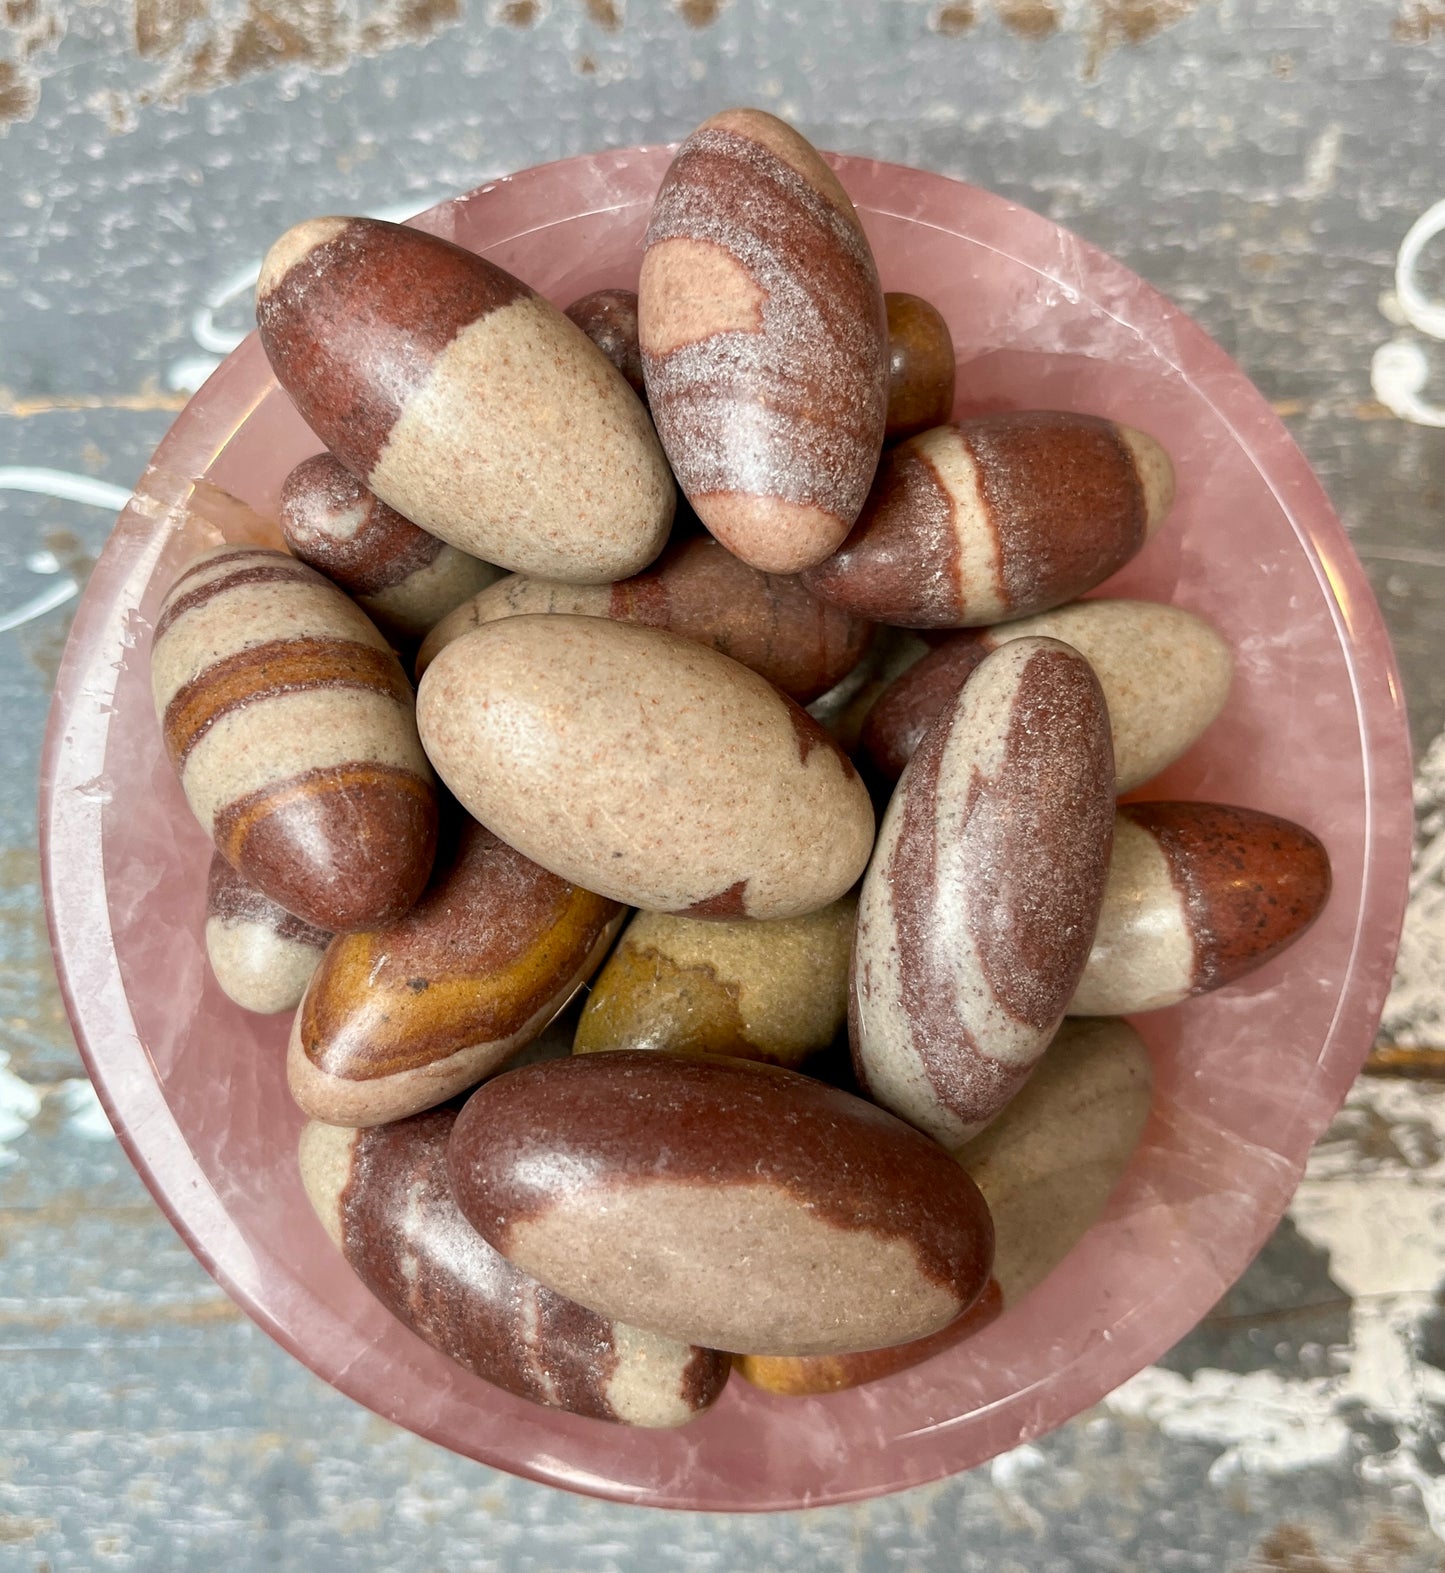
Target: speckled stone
{"x": 1051, "y": 1160}
{"x": 609, "y": 318}
{"x": 1165, "y": 675}
{"x": 262, "y": 957}
{"x": 403, "y": 578}
{"x": 764, "y": 340}
{"x": 920, "y": 366}
{"x": 292, "y": 727}
{"x": 1199, "y": 894}
{"x": 981, "y": 899}
{"x": 769, "y": 622}
{"x": 773, "y": 991}
{"x": 403, "y": 1017}
{"x": 645, "y": 767}
{"x": 384, "y": 1199}
{"x": 721, "y": 1202}
{"x": 991, "y": 519}
{"x": 800, "y": 1376}
{"x": 464, "y": 400}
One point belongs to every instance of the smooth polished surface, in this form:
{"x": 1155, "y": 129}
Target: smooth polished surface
{"x": 1261, "y": 165}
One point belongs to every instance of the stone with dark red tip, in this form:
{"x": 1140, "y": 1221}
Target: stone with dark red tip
{"x": 721, "y": 1202}
{"x": 403, "y": 1017}
{"x": 980, "y": 902}
{"x": 920, "y": 366}
{"x": 262, "y": 956}
{"x": 1199, "y": 894}
{"x": 987, "y": 520}
{"x": 464, "y": 400}
{"x": 293, "y": 730}
{"x": 609, "y": 318}
{"x": 403, "y": 578}
{"x": 764, "y": 340}
{"x": 384, "y": 1199}
{"x": 1165, "y": 675}
{"x": 698, "y": 589}
{"x": 646, "y": 767}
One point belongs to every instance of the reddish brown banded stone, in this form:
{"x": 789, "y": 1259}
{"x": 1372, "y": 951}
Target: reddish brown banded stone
{"x": 386, "y": 549}
{"x": 1041, "y": 835}
{"x": 726, "y": 905}
{"x": 609, "y": 318}
{"x": 920, "y": 366}
{"x": 804, "y": 1374}
{"x": 416, "y": 991}
{"x": 325, "y": 841}
{"x": 794, "y": 410}
{"x": 910, "y": 704}
{"x": 1251, "y": 883}
{"x": 234, "y": 899}
{"x": 277, "y": 568}
{"x": 1065, "y": 499}
{"x": 402, "y": 1233}
{"x": 352, "y": 330}
{"x": 634, "y": 1116}
{"x": 282, "y": 666}
{"x": 769, "y": 622}
{"x": 900, "y": 562}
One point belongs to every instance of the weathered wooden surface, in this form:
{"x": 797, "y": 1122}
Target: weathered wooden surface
{"x": 1260, "y": 160}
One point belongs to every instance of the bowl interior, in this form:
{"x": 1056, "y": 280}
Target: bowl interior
{"x": 1245, "y": 1078}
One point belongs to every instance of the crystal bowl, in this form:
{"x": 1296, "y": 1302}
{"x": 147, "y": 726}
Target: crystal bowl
{"x": 1245, "y": 1079}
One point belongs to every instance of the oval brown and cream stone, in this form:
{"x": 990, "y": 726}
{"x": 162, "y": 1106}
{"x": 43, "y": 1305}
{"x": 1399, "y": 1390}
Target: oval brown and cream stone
{"x": 698, "y": 589}
{"x": 991, "y": 519}
{"x": 920, "y": 366}
{"x": 721, "y": 1202}
{"x": 775, "y": 991}
{"x": 1165, "y": 675}
{"x": 1046, "y": 1166}
{"x": 764, "y": 340}
{"x": 403, "y": 578}
{"x": 262, "y": 957}
{"x": 292, "y": 727}
{"x": 1051, "y": 1160}
{"x": 645, "y": 767}
{"x": 1198, "y": 895}
{"x": 980, "y": 903}
{"x": 801, "y": 1376}
{"x": 464, "y": 400}
{"x": 403, "y": 1017}
{"x": 609, "y": 318}
{"x": 384, "y": 1199}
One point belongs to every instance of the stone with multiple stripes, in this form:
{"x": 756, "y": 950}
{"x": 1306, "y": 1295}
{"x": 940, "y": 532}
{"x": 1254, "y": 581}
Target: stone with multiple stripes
{"x": 405, "y": 1016}
{"x": 464, "y": 400}
{"x": 1165, "y": 675}
{"x": 986, "y": 520}
{"x": 764, "y": 340}
{"x": 1199, "y": 894}
{"x": 403, "y": 578}
{"x": 697, "y": 588}
{"x": 383, "y": 1197}
{"x": 293, "y": 729}
{"x": 979, "y": 905}
{"x": 261, "y": 955}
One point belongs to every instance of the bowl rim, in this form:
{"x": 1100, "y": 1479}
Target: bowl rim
{"x": 77, "y": 732}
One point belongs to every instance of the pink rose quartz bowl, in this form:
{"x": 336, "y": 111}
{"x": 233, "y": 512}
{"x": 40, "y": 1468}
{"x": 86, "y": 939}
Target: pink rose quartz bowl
{"x": 1245, "y": 1079}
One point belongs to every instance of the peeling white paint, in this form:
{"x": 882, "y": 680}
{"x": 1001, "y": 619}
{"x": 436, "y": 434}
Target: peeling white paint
{"x": 84, "y": 1116}
{"x": 1374, "y": 1200}
{"x": 19, "y": 1104}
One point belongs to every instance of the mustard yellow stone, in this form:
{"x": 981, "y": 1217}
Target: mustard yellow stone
{"x": 775, "y": 990}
